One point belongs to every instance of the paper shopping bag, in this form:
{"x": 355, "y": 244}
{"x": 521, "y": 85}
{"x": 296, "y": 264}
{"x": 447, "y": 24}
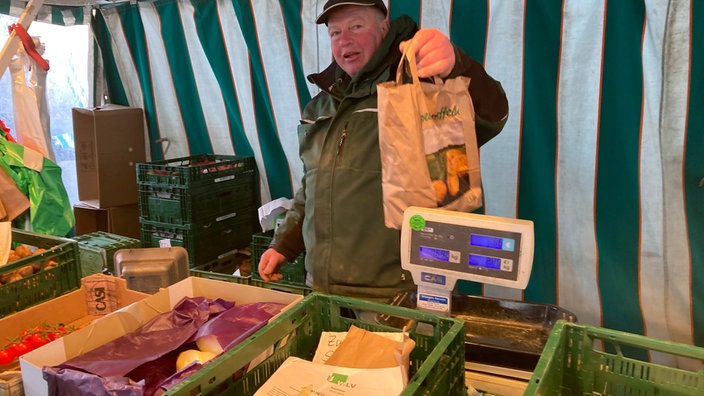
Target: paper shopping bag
{"x": 428, "y": 144}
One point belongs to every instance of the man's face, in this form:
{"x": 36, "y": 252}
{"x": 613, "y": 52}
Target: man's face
{"x": 355, "y": 33}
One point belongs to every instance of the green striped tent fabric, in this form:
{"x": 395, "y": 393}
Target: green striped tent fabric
{"x": 603, "y": 149}
{"x": 68, "y": 13}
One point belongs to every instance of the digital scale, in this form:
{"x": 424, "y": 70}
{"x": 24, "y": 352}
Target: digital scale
{"x": 438, "y": 247}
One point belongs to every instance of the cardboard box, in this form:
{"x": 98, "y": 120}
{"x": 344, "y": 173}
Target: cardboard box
{"x": 11, "y": 383}
{"x": 109, "y": 143}
{"x": 119, "y": 220}
{"x": 71, "y": 309}
{"x": 131, "y": 318}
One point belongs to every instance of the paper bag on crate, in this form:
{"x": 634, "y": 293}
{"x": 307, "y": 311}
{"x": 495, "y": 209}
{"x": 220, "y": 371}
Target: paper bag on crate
{"x": 364, "y": 349}
{"x": 363, "y": 364}
{"x": 428, "y": 144}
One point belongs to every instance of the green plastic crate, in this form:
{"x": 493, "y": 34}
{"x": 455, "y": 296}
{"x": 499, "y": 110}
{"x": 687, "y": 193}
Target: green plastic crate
{"x": 223, "y": 269}
{"x": 437, "y": 361}
{"x": 96, "y": 251}
{"x": 46, "y": 283}
{"x": 179, "y": 205}
{"x": 203, "y": 242}
{"x": 281, "y": 286}
{"x": 293, "y": 273}
{"x": 196, "y": 171}
{"x": 574, "y": 362}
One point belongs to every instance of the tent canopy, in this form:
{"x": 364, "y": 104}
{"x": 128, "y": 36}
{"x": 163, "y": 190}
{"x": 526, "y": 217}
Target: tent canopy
{"x": 602, "y": 149}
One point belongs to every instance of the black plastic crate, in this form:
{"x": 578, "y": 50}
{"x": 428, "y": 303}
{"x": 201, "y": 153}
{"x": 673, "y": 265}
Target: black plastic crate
{"x": 179, "y": 205}
{"x": 195, "y": 171}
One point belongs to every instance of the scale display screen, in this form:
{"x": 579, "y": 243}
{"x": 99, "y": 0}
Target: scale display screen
{"x": 491, "y": 242}
{"x": 466, "y": 249}
{"x": 478, "y": 260}
{"x": 434, "y": 254}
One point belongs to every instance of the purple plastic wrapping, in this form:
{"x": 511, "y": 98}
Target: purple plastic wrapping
{"x": 68, "y": 382}
{"x": 143, "y": 362}
{"x": 239, "y": 322}
{"x": 231, "y": 327}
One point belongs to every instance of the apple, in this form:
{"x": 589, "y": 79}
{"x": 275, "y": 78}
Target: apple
{"x": 189, "y": 356}
{"x": 209, "y": 343}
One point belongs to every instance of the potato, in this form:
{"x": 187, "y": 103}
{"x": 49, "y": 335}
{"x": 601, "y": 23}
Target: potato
{"x": 26, "y": 271}
{"x": 23, "y": 251}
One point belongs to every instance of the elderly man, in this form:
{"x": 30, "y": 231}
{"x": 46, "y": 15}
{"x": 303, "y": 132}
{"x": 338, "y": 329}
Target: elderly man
{"x": 337, "y": 216}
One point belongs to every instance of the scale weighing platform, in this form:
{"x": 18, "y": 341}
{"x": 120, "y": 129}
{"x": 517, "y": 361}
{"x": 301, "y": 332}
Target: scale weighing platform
{"x": 440, "y": 247}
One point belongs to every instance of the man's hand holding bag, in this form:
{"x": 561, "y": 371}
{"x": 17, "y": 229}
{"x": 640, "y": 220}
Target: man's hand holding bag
{"x": 428, "y": 144}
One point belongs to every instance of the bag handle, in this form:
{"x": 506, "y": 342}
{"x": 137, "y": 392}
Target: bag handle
{"x": 408, "y": 58}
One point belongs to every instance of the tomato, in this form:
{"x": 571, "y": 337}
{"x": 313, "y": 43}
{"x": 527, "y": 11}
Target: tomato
{"x": 54, "y": 335}
{"x": 6, "y": 357}
{"x": 36, "y": 340}
{"x": 20, "y": 348}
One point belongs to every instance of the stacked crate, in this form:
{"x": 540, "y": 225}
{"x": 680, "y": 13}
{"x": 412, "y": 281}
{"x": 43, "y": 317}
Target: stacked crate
{"x": 205, "y": 203}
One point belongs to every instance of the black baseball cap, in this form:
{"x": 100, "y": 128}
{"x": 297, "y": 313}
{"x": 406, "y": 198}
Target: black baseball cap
{"x": 331, "y": 5}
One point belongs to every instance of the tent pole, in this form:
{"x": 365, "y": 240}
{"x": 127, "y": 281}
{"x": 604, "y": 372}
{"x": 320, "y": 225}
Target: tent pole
{"x": 13, "y": 42}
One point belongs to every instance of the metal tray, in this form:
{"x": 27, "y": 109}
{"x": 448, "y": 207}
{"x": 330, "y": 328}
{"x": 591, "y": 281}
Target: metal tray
{"x": 503, "y": 333}
{"x": 150, "y": 269}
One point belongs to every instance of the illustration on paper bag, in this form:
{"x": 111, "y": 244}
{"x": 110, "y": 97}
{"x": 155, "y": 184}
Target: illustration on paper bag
{"x": 449, "y": 173}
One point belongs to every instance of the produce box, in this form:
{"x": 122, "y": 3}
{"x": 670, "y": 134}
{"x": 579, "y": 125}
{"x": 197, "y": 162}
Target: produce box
{"x": 56, "y": 271}
{"x": 96, "y": 251}
{"x": 437, "y": 362}
{"x": 573, "y": 362}
{"x": 132, "y": 317}
{"x": 100, "y": 295}
{"x": 293, "y": 273}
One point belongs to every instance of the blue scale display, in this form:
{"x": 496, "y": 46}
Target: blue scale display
{"x": 439, "y": 247}
{"x": 466, "y": 246}
{"x": 464, "y": 249}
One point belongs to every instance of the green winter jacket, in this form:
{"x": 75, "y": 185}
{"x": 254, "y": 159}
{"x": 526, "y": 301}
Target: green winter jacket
{"x": 338, "y": 215}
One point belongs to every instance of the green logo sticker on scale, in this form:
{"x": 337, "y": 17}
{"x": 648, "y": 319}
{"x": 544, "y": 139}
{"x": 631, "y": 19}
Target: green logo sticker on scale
{"x": 417, "y": 222}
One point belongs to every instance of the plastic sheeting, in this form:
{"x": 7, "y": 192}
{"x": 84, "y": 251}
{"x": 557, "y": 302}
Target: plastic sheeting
{"x": 39, "y": 179}
{"x": 143, "y": 362}
{"x": 31, "y": 114}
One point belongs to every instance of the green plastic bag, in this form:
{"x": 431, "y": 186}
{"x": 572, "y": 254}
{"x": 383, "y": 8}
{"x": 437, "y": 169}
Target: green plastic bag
{"x": 50, "y": 210}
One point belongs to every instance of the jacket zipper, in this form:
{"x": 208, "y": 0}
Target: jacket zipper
{"x": 341, "y": 142}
